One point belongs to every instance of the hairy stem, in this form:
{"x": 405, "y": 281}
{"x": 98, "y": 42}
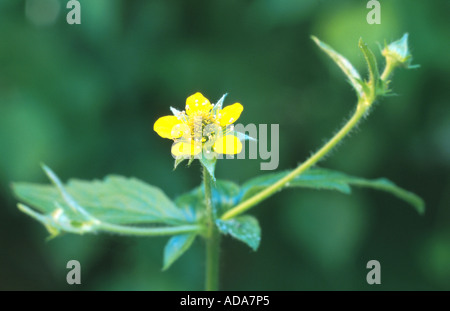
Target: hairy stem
{"x": 212, "y": 240}
{"x": 361, "y": 109}
{"x": 157, "y": 231}
{"x": 387, "y": 71}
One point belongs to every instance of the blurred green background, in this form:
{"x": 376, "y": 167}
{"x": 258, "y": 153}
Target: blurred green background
{"x": 83, "y": 100}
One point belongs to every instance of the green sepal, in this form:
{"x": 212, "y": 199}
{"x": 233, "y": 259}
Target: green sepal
{"x": 374, "y": 75}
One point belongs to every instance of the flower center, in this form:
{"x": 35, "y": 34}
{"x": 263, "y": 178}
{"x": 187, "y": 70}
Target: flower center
{"x": 203, "y": 126}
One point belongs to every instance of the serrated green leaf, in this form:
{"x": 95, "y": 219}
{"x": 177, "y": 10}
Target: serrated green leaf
{"x": 175, "y": 247}
{"x": 108, "y": 205}
{"x": 244, "y": 228}
{"x": 116, "y": 199}
{"x": 371, "y": 61}
{"x": 313, "y": 178}
{"x": 388, "y": 186}
{"x": 192, "y": 204}
{"x": 225, "y": 195}
{"x": 318, "y": 178}
{"x": 343, "y": 63}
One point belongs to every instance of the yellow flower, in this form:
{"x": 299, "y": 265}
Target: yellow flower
{"x": 202, "y": 127}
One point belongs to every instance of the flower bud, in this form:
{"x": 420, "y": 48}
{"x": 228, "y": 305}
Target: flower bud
{"x": 397, "y": 53}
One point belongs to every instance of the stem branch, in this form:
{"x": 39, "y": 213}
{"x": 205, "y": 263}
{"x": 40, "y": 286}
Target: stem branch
{"x": 157, "y": 231}
{"x": 362, "y": 107}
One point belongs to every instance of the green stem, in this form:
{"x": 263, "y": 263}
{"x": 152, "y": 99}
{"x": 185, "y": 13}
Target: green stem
{"x": 361, "y": 109}
{"x": 97, "y": 225}
{"x": 149, "y": 231}
{"x": 212, "y": 240}
{"x": 387, "y": 70}
{"x": 212, "y": 261}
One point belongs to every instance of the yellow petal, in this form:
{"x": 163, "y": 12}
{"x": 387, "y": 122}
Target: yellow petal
{"x": 168, "y": 127}
{"x": 184, "y": 148}
{"x": 230, "y": 114}
{"x": 228, "y": 144}
{"x": 197, "y": 103}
